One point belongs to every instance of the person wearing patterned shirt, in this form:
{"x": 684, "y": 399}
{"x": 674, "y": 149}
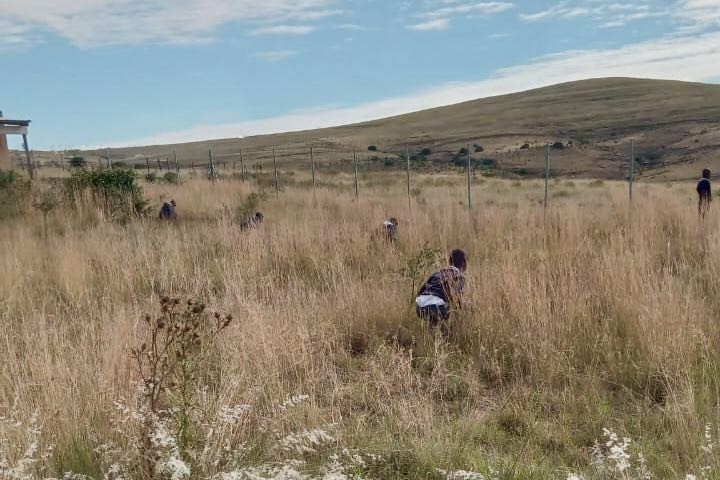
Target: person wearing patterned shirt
{"x": 442, "y": 292}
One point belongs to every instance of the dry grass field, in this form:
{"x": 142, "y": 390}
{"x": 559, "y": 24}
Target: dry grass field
{"x": 583, "y": 327}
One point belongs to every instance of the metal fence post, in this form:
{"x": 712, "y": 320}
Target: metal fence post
{"x": 357, "y": 193}
{"x": 547, "y": 173}
{"x": 407, "y": 155}
{"x": 177, "y": 165}
{"x": 277, "y": 187}
{"x": 147, "y": 164}
{"x": 312, "y": 162}
{"x": 632, "y": 167}
{"x": 242, "y": 166}
{"x": 469, "y": 198}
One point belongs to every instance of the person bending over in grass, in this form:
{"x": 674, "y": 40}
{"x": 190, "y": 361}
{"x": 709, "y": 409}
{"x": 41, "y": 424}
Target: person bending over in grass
{"x": 167, "y": 212}
{"x": 252, "y": 222}
{"x": 442, "y": 292}
{"x": 390, "y": 229}
{"x": 704, "y": 191}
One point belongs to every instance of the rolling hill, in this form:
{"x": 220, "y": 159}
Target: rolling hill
{"x": 676, "y": 127}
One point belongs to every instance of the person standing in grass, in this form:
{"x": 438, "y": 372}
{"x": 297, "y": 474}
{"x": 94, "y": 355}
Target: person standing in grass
{"x": 704, "y": 190}
{"x": 442, "y": 292}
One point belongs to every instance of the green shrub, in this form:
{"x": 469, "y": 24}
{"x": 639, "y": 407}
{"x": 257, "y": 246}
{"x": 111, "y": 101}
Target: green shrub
{"x": 171, "y": 177}
{"x": 372, "y": 148}
{"x": 77, "y": 162}
{"x": 115, "y": 191}
{"x": 14, "y": 194}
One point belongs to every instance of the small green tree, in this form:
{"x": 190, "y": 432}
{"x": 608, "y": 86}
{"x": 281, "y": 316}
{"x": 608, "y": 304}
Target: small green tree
{"x": 77, "y": 162}
{"x": 45, "y": 200}
{"x": 116, "y": 191}
{"x": 417, "y": 265}
{"x": 14, "y": 194}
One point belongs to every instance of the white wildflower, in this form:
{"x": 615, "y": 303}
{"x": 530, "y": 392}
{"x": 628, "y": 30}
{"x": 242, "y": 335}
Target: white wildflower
{"x": 264, "y": 472}
{"x": 461, "y": 475}
{"x": 293, "y": 401}
{"x": 233, "y": 413}
{"x": 572, "y": 476}
{"x": 306, "y": 441}
{"x": 708, "y": 445}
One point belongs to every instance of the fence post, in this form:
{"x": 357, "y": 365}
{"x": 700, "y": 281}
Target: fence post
{"x": 312, "y": 162}
{"x": 107, "y": 154}
{"x": 632, "y": 167}
{"x": 242, "y": 166}
{"x": 30, "y": 166}
{"x": 213, "y": 172}
{"x": 357, "y": 193}
{"x": 147, "y": 164}
{"x": 62, "y": 160}
{"x": 407, "y": 155}
{"x": 277, "y": 187}
{"x": 177, "y": 165}
{"x": 547, "y": 173}
{"x": 469, "y": 198}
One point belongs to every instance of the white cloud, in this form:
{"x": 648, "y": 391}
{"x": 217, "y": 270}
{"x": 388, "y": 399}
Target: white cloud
{"x": 283, "y": 30}
{"x": 432, "y": 25}
{"x": 465, "y": 8}
{"x": 692, "y": 58}
{"x": 89, "y": 23}
{"x": 608, "y": 12}
{"x": 438, "y": 19}
{"x": 273, "y": 56}
{"x": 703, "y": 12}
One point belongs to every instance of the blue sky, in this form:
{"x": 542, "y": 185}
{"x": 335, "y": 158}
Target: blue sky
{"x": 124, "y": 72}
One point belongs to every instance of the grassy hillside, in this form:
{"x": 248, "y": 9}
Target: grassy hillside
{"x": 676, "y": 126}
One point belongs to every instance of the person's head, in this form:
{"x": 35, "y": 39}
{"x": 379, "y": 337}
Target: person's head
{"x": 259, "y": 217}
{"x": 172, "y": 202}
{"x": 706, "y": 173}
{"x": 394, "y": 221}
{"x": 458, "y": 259}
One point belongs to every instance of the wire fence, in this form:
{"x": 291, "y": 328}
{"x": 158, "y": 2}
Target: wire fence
{"x": 273, "y": 164}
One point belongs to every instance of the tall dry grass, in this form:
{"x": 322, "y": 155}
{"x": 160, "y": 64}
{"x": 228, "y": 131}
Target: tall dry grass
{"x": 593, "y": 316}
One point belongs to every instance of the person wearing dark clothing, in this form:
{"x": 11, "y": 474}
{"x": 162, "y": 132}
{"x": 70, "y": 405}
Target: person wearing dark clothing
{"x": 167, "y": 212}
{"x": 390, "y": 229}
{"x": 442, "y": 292}
{"x": 252, "y": 222}
{"x": 704, "y": 191}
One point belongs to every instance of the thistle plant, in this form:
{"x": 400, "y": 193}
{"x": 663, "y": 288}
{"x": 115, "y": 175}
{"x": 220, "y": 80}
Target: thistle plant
{"x": 168, "y": 364}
